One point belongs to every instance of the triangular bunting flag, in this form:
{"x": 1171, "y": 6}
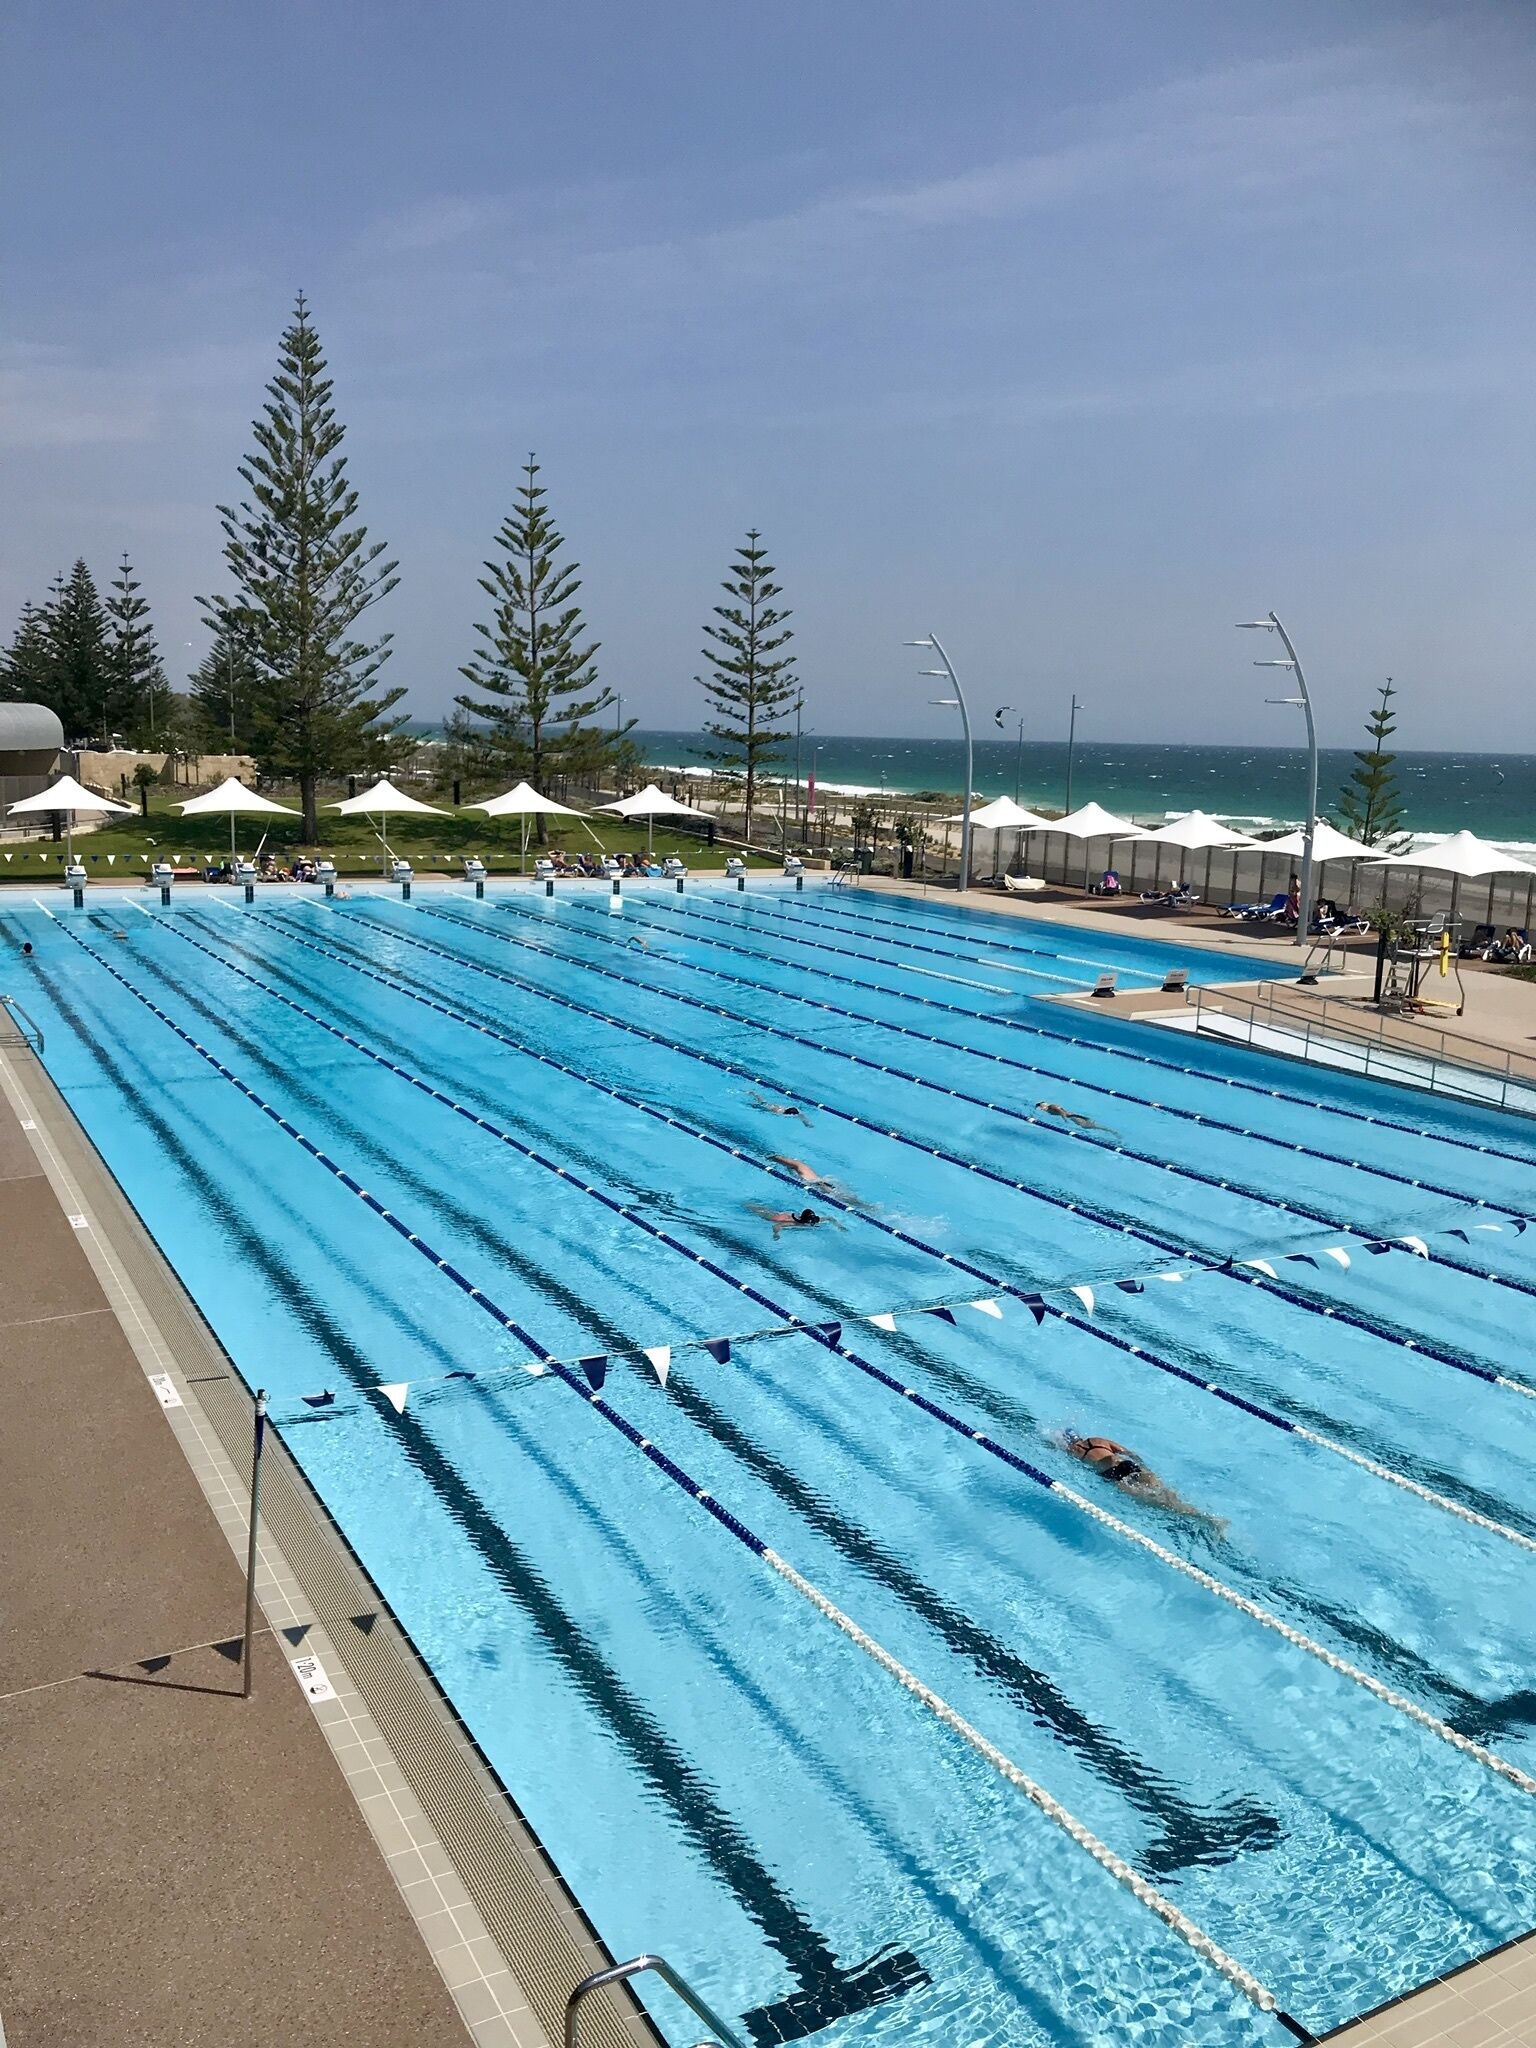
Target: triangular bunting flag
{"x": 95, "y": 857}
{"x": 111, "y": 860}
{"x": 1261, "y": 1266}
{"x": 719, "y": 1349}
{"x": 884, "y": 1321}
{"x": 988, "y": 1308}
{"x": 1337, "y": 1253}
{"x": 833, "y": 1332}
{"x": 1464, "y": 1235}
{"x": 395, "y": 1395}
{"x": 9, "y": 858}
{"x": 1085, "y": 1296}
{"x": 1170, "y": 1277}
{"x": 1416, "y": 1245}
{"x": 1476, "y": 1226}
{"x": 596, "y": 1370}
{"x": 1300, "y": 1259}
{"x": 945, "y": 1315}
{"x": 458, "y": 1375}
{"x": 1036, "y": 1306}
{"x": 325, "y": 1400}
{"x": 1130, "y": 1286}
{"x": 1519, "y": 1225}
{"x": 660, "y": 1356}
{"x": 1377, "y": 1245}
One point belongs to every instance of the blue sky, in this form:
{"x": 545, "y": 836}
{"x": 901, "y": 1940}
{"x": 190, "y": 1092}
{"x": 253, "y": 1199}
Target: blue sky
{"x": 1076, "y": 333}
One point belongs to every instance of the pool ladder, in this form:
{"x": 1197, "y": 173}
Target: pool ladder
{"x": 721, "y": 2035}
{"x": 24, "y": 1022}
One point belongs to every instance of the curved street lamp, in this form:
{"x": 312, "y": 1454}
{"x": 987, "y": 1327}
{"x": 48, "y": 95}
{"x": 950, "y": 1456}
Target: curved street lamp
{"x": 946, "y": 674}
{"x": 1293, "y": 663}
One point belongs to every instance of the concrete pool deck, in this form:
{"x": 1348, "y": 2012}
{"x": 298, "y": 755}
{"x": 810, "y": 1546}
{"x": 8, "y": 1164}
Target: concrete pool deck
{"x": 183, "y": 1865}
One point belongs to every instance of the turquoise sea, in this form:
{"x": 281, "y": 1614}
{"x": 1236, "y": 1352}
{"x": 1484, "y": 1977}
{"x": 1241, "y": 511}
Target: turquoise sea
{"x": 1253, "y": 787}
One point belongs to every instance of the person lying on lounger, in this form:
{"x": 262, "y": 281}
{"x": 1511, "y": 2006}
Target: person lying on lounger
{"x": 1072, "y": 1116}
{"x": 1124, "y": 1469}
{"x": 776, "y": 1108}
{"x": 786, "y": 1219}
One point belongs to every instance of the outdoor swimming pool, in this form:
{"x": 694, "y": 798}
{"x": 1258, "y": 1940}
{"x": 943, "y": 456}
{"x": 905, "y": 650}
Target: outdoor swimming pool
{"x": 556, "y": 1114}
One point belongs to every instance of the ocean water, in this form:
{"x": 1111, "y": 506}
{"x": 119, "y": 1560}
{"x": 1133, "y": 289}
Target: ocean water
{"x": 1254, "y": 787}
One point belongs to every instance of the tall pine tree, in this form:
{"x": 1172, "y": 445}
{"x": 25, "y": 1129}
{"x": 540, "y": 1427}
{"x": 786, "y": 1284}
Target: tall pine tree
{"x": 305, "y": 573}
{"x": 138, "y": 684}
{"x": 26, "y": 669}
{"x": 81, "y": 682}
{"x": 534, "y": 669}
{"x": 1370, "y": 805}
{"x": 753, "y": 683}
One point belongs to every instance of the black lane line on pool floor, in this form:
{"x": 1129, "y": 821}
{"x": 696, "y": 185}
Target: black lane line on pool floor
{"x": 1427, "y": 1480}
{"x": 1469, "y": 1713}
{"x": 764, "y": 2023}
{"x": 1186, "y": 1172}
{"x": 1043, "y": 1031}
{"x": 831, "y": 1338}
{"x": 827, "y": 1991}
{"x": 1357, "y": 1318}
{"x": 1189, "y": 1835}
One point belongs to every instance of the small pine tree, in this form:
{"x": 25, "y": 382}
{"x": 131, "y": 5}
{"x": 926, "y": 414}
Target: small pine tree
{"x": 305, "y": 573}
{"x": 81, "y": 684}
{"x": 753, "y": 684}
{"x": 138, "y": 684}
{"x": 27, "y": 669}
{"x": 534, "y": 668}
{"x": 225, "y": 692}
{"x": 1370, "y": 805}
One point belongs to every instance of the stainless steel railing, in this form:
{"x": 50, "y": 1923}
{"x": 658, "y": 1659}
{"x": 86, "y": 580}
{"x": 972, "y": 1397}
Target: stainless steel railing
{"x": 25, "y": 1023}
{"x": 622, "y": 1972}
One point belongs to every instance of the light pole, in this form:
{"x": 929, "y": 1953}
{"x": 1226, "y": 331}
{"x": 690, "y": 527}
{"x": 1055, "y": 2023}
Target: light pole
{"x": 1293, "y": 663}
{"x": 1071, "y": 745}
{"x": 799, "y": 793}
{"x": 947, "y": 674}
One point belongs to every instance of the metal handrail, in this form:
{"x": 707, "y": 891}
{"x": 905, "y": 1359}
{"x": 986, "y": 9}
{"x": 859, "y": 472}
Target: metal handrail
{"x": 622, "y": 1972}
{"x": 29, "y": 1023}
{"x": 1453, "y": 1047}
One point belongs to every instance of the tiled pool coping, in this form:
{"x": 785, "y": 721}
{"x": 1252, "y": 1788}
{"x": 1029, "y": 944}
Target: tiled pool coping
{"x": 507, "y": 1935}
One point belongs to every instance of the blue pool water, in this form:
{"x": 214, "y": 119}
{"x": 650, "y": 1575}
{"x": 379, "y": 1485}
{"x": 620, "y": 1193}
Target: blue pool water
{"x": 565, "y": 1104}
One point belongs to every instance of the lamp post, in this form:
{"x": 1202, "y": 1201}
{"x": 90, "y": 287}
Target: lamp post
{"x": 1293, "y": 663}
{"x": 1071, "y": 746}
{"x": 947, "y": 674}
{"x": 799, "y": 812}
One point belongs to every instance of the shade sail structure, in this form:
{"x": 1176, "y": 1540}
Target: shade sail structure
{"x": 1327, "y": 844}
{"x": 385, "y": 801}
{"x": 650, "y": 803}
{"x": 73, "y": 800}
{"x": 1003, "y": 815}
{"x": 233, "y": 799}
{"x": 1195, "y": 831}
{"x": 523, "y": 802}
{"x": 1463, "y": 855}
{"x": 1090, "y": 821}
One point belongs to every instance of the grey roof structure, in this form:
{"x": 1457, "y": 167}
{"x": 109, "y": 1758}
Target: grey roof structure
{"x": 29, "y": 729}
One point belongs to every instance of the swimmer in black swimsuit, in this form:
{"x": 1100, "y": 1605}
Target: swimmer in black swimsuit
{"x": 1124, "y": 1469}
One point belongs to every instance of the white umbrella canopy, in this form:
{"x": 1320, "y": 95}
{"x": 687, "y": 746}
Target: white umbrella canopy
{"x": 234, "y": 799}
{"x": 1090, "y": 821}
{"x": 1195, "y": 831}
{"x": 72, "y": 798}
{"x": 385, "y": 801}
{"x": 1462, "y": 854}
{"x": 1327, "y": 844}
{"x": 1004, "y": 815}
{"x": 523, "y": 802}
{"x": 650, "y": 803}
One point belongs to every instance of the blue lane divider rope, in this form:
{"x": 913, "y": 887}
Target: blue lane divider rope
{"x": 1148, "y": 1894}
{"x": 1410, "y": 1709}
{"x": 1062, "y": 1037}
{"x": 1354, "y": 1318}
{"x": 1140, "y": 1352}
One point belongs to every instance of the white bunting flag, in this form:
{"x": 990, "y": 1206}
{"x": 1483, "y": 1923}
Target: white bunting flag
{"x": 988, "y": 1308}
{"x": 1476, "y": 1226}
{"x": 395, "y": 1395}
{"x": 1085, "y": 1296}
{"x": 111, "y": 860}
{"x": 660, "y": 1356}
{"x": 1261, "y": 1266}
{"x": 883, "y": 1321}
{"x": 1337, "y": 1253}
{"x": 9, "y": 858}
{"x": 1416, "y": 1245}
{"x": 1170, "y": 1277}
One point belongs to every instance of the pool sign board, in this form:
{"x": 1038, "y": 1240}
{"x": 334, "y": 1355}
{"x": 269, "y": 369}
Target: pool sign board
{"x": 165, "y": 1390}
{"x": 310, "y": 1673}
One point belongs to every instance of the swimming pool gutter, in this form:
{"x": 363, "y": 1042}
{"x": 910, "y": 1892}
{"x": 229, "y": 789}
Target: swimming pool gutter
{"x": 449, "y": 1816}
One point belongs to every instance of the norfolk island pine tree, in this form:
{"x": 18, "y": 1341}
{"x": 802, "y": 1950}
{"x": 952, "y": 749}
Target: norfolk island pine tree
{"x": 753, "y": 683}
{"x": 1370, "y": 806}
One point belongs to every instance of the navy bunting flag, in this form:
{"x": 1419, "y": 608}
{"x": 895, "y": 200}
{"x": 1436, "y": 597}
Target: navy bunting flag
{"x": 719, "y": 1349}
{"x": 596, "y": 1370}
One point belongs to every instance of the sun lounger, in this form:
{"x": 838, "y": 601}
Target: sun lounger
{"x": 1019, "y": 885}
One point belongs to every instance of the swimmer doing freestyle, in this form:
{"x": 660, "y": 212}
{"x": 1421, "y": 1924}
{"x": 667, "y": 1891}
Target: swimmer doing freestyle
{"x": 1124, "y": 1469}
{"x": 1073, "y": 1116}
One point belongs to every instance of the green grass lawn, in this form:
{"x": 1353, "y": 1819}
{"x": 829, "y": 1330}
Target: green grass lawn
{"x": 350, "y": 842}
